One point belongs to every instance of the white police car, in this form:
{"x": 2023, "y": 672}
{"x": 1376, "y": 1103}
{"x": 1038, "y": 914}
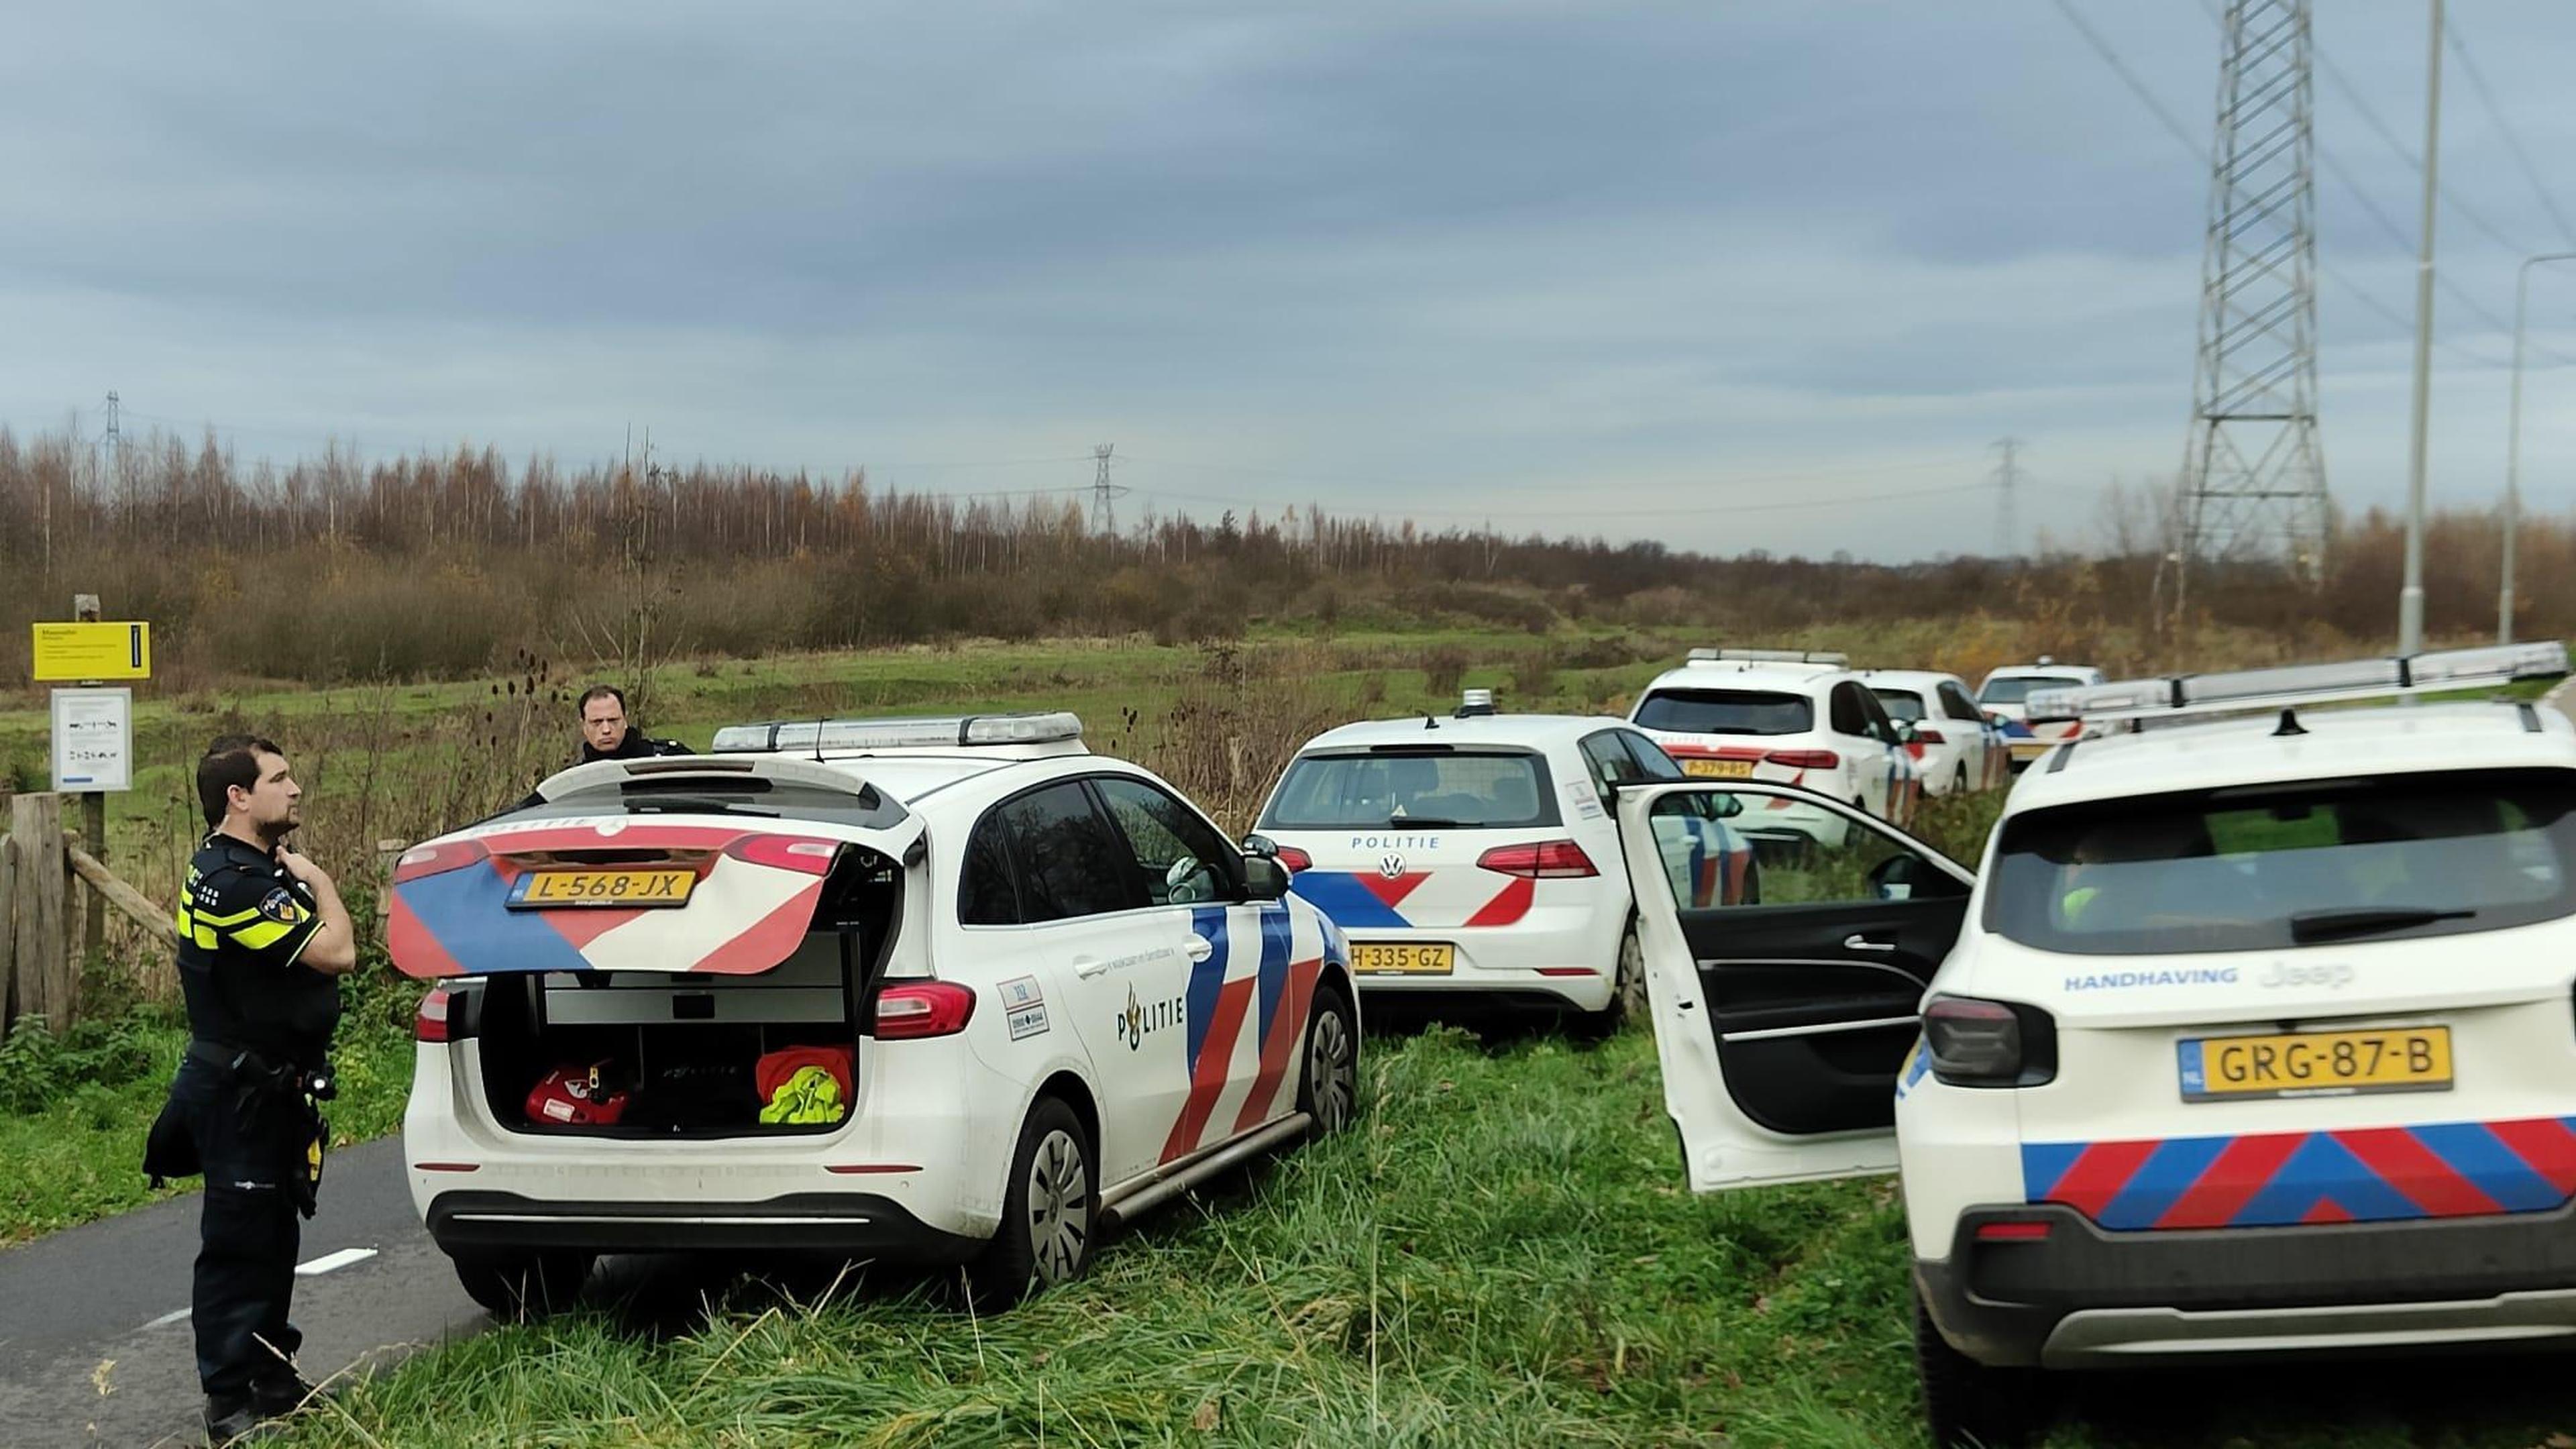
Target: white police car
{"x": 2250, "y": 1037}
{"x": 1956, "y": 747}
{"x": 1044, "y": 989}
{"x": 2006, "y": 692}
{"x": 1800, "y": 718}
{"x": 1474, "y": 858}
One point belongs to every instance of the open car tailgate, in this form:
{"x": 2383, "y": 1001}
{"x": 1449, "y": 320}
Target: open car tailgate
{"x": 667, "y": 892}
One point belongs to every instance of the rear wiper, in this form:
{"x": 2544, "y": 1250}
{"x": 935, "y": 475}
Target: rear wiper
{"x": 2309, "y": 926}
{"x": 1433, "y": 822}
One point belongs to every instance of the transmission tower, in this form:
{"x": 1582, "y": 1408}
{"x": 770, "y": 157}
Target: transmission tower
{"x": 1104, "y": 507}
{"x": 2254, "y": 476}
{"x": 2007, "y": 519}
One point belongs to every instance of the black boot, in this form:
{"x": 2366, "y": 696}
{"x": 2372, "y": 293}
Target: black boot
{"x": 234, "y": 1419}
{"x": 277, "y": 1398}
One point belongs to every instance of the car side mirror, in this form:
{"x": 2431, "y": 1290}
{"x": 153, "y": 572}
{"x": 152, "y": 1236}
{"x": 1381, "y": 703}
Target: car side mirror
{"x": 1905, "y": 732}
{"x": 1264, "y": 878}
{"x": 1262, "y": 846}
{"x": 1725, "y": 807}
{"x": 1895, "y": 878}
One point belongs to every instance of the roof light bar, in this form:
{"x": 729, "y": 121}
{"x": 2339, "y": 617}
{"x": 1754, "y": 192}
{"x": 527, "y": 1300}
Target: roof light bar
{"x": 966, "y": 731}
{"x": 1770, "y": 656}
{"x": 2296, "y": 684}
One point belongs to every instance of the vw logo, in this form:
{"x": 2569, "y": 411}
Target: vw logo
{"x": 1390, "y": 865}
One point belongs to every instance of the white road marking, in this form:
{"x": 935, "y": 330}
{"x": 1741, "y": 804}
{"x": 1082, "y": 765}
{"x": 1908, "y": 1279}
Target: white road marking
{"x": 330, "y": 1262}
{"x": 166, "y": 1319}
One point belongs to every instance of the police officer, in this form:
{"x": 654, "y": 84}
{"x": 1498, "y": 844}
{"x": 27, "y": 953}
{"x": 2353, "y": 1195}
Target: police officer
{"x": 263, "y": 941}
{"x": 606, "y": 733}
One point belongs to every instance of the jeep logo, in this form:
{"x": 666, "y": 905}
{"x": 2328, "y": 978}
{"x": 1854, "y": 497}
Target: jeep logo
{"x": 2334, "y": 977}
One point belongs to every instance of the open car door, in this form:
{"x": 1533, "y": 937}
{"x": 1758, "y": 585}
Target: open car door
{"x": 1783, "y": 1013}
{"x": 682, "y": 865}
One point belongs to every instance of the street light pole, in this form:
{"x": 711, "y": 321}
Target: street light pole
{"x": 2410, "y": 599}
{"x": 2513, "y": 442}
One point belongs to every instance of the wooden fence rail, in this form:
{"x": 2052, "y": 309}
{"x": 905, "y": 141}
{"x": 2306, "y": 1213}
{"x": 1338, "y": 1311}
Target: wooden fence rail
{"x": 42, "y": 940}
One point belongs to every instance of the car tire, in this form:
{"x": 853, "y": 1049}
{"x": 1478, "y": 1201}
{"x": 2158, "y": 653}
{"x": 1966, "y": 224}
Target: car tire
{"x": 1966, "y": 1404}
{"x": 1627, "y": 993}
{"x": 524, "y": 1287}
{"x": 1050, "y": 1211}
{"x": 1959, "y": 781}
{"x": 1328, "y": 1089}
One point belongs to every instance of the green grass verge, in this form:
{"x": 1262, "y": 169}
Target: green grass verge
{"x": 1500, "y": 1254}
{"x": 74, "y": 1111}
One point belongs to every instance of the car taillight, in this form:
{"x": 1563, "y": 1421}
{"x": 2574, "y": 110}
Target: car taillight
{"x": 1805, "y": 759}
{"x": 907, "y": 1010}
{"x": 1930, "y": 737}
{"x": 438, "y": 859}
{"x": 1978, "y": 1043}
{"x": 786, "y": 852}
{"x": 430, "y": 1022}
{"x": 1538, "y": 860}
{"x": 1293, "y": 860}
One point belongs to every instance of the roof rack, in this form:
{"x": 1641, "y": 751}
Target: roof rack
{"x": 2183, "y": 695}
{"x": 1826, "y": 657}
{"x": 919, "y": 732}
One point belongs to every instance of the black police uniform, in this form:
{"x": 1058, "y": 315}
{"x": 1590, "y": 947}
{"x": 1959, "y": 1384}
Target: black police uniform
{"x": 633, "y": 747}
{"x": 260, "y": 1025}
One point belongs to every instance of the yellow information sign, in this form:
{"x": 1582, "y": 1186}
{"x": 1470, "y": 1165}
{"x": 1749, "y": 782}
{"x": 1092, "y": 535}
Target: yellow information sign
{"x": 93, "y": 651}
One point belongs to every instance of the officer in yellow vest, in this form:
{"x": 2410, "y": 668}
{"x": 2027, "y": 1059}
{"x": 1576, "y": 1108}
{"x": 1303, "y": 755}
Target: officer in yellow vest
{"x": 263, "y": 941}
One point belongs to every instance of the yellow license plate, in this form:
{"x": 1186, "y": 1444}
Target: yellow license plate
{"x": 1384, "y": 959}
{"x": 2317, "y": 1064}
{"x": 627, "y": 889}
{"x": 1718, "y": 769}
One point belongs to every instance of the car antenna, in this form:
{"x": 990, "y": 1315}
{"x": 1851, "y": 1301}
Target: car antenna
{"x": 1430, "y": 721}
{"x": 818, "y": 737}
{"x": 2289, "y": 724}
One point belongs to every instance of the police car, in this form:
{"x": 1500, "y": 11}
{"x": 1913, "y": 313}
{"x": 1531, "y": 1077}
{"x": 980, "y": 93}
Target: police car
{"x": 1797, "y": 717}
{"x": 1011, "y": 992}
{"x": 2250, "y": 1037}
{"x": 1956, "y": 747}
{"x": 1474, "y": 858}
{"x": 2006, "y": 692}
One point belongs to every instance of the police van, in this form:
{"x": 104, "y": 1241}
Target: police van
{"x": 929, "y": 990}
{"x": 2252, "y": 1035}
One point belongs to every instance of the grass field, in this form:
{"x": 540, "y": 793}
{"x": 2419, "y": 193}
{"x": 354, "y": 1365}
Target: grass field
{"x": 1500, "y": 1254}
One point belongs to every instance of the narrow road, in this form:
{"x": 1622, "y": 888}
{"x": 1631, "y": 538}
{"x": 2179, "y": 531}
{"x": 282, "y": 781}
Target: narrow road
{"x": 95, "y": 1346}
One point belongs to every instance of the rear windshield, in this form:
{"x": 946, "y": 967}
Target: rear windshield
{"x": 745, "y": 795}
{"x": 1902, "y": 704}
{"x": 1450, "y": 788}
{"x": 2014, "y": 688}
{"x": 1726, "y": 712}
{"x": 2313, "y": 863}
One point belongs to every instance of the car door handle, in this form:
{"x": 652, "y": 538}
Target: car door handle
{"x": 1858, "y": 942}
{"x": 1088, "y": 966}
{"x": 1199, "y": 948}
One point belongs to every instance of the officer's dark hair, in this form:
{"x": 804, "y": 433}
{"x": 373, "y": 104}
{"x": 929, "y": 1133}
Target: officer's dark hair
{"x": 230, "y": 760}
{"x": 599, "y": 692}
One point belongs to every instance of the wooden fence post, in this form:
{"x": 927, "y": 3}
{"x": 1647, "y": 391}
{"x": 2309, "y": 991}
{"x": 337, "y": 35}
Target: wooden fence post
{"x": 8, "y": 932}
{"x": 48, "y": 982}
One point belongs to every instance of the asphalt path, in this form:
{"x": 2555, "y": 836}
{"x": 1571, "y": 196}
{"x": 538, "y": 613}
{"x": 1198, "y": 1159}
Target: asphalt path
{"x": 95, "y": 1344}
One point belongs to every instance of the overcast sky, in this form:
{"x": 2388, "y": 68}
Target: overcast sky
{"x": 1730, "y": 275}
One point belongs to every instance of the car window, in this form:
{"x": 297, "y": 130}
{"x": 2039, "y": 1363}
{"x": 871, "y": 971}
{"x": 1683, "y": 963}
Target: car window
{"x": 1902, "y": 704}
{"x": 1873, "y": 715}
{"x": 1611, "y": 764}
{"x": 1461, "y": 789}
{"x": 2308, "y": 863}
{"x": 1726, "y": 712}
{"x": 1848, "y": 717}
{"x": 987, "y": 892}
{"x": 1652, "y": 762}
{"x": 1809, "y": 855}
{"x": 1955, "y": 703}
{"x": 1183, "y": 859}
{"x": 1071, "y": 860}
{"x": 2014, "y": 688}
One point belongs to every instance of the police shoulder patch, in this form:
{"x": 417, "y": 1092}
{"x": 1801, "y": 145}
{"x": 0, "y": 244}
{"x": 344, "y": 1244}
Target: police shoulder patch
{"x": 281, "y": 905}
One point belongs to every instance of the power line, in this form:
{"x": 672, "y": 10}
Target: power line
{"x": 2173, "y": 126}
{"x": 1711, "y": 510}
{"x": 2512, "y": 141}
